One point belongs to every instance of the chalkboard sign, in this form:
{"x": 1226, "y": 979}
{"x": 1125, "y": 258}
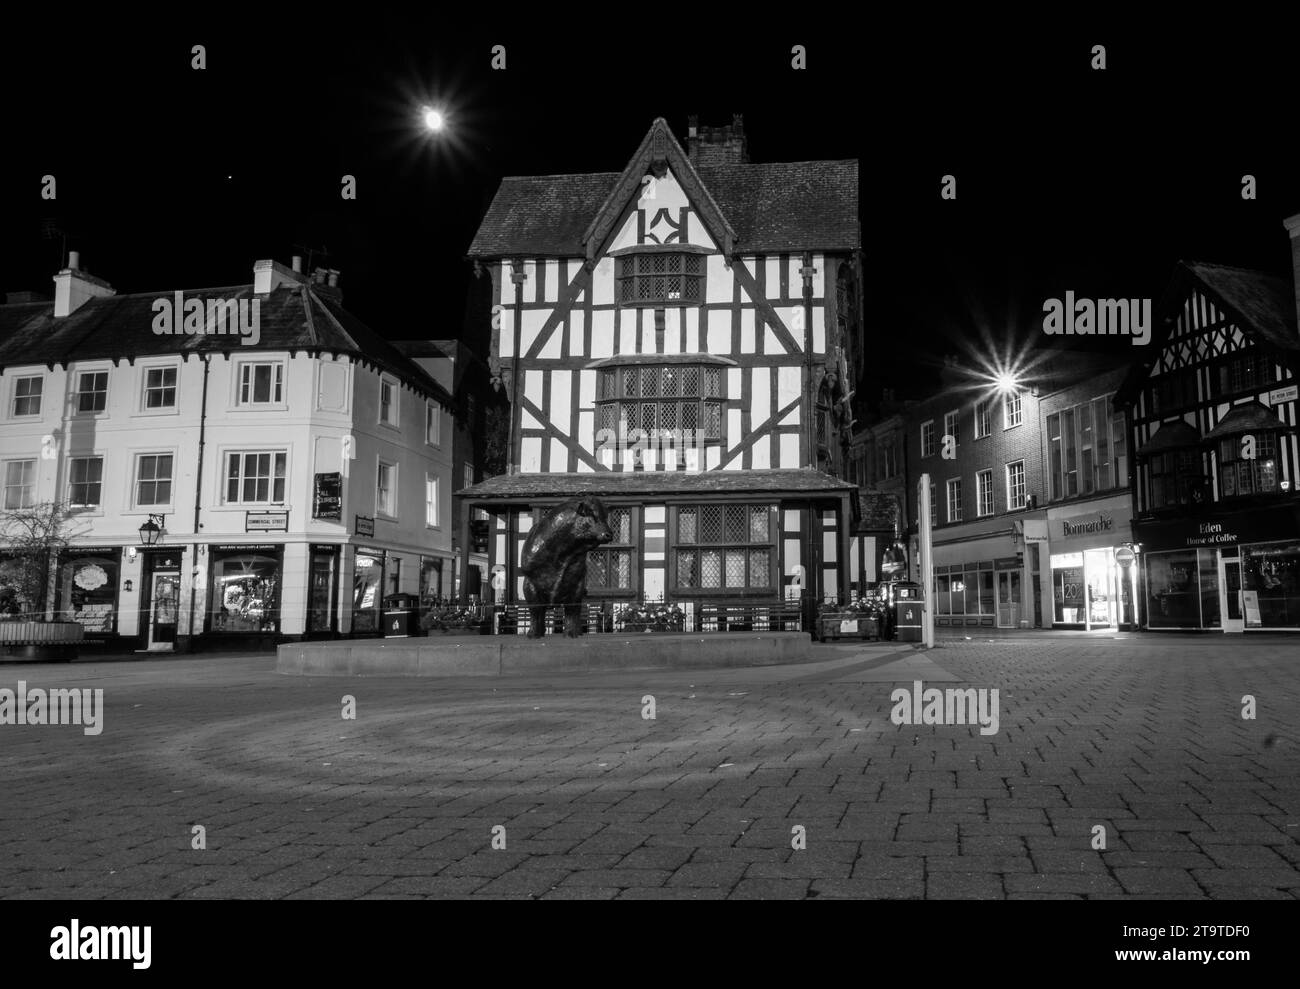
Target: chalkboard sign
{"x": 1251, "y": 601}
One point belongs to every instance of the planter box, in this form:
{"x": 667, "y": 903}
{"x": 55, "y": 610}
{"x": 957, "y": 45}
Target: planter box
{"x": 41, "y": 633}
{"x": 847, "y": 625}
{"x": 40, "y": 641}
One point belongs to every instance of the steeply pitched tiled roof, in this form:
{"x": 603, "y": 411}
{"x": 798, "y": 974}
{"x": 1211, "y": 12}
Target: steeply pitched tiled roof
{"x": 1266, "y": 304}
{"x": 789, "y": 206}
{"x": 1262, "y": 306}
{"x": 292, "y": 317}
{"x": 784, "y": 207}
{"x": 541, "y": 216}
{"x": 651, "y": 482}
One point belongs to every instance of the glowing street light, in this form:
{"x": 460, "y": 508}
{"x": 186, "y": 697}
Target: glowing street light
{"x": 1006, "y": 381}
{"x": 434, "y": 121}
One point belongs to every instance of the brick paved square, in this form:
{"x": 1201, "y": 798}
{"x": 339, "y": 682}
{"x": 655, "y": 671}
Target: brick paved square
{"x": 705, "y": 802}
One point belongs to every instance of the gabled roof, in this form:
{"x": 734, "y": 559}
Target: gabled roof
{"x": 772, "y": 483}
{"x": 657, "y": 148}
{"x": 120, "y": 327}
{"x": 768, "y": 209}
{"x": 1262, "y": 306}
{"x": 1246, "y": 418}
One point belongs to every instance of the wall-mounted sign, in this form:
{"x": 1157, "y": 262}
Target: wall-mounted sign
{"x": 246, "y": 547}
{"x": 327, "y": 499}
{"x": 1221, "y": 529}
{"x": 365, "y": 525}
{"x": 1124, "y": 556}
{"x": 266, "y": 521}
{"x": 1086, "y": 524}
{"x": 167, "y": 560}
{"x": 1287, "y": 394}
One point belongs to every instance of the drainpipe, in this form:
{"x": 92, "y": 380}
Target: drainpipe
{"x": 198, "y": 495}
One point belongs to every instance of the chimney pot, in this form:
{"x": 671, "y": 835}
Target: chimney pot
{"x": 334, "y": 278}
{"x": 74, "y": 260}
{"x": 297, "y": 263}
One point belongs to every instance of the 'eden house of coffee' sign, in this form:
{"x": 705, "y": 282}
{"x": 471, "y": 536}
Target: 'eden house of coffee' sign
{"x": 1087, "y": 526}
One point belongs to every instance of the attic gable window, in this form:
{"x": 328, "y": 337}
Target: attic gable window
{"x": 660, "y": 278}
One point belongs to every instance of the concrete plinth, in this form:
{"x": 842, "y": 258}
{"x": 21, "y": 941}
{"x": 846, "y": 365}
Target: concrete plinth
{"x": 505, "y": 655}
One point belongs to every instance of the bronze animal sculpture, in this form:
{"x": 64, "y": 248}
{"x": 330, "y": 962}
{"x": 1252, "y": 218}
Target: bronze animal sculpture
{"x": 555, "y": 561}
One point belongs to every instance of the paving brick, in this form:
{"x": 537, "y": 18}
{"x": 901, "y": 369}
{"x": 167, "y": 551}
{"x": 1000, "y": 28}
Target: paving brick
{"x": 1117, "y": 732}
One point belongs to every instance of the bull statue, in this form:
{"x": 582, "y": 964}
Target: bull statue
{"x": 555, "y": 561}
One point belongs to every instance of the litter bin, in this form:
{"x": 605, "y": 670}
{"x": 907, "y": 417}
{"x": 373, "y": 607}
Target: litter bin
{"x": 401, "y": 616}
{"x": 909, "y": 608}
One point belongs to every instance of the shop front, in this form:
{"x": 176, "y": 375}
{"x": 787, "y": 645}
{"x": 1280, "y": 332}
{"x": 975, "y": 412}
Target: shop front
{"x": 87, "y": 588}
{"x": 244, "y": 589}
{"x": 1231, "y": 571}
{"x": 1094, "y": 583}
{"x": 981, "y": 582}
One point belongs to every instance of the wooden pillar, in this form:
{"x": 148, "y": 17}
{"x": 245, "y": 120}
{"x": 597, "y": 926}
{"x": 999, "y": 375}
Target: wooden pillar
{"x": 842, "y": 530}
{"x": 466, "y": 514}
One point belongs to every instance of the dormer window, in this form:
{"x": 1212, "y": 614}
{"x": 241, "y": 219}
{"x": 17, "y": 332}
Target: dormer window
{"x": 660, "y": 278}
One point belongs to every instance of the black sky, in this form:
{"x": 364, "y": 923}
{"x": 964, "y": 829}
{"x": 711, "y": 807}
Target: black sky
{"x": 1067, "y": 178}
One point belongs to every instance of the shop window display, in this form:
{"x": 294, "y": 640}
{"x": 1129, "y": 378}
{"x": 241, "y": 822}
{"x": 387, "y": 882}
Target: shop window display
{"x": 1272, "y": 572}
{"x": 367, "y": 584}
{"x": 1172, "y": 589}
{"x": 87, "y": 593}
{"x": 245, "y": 593}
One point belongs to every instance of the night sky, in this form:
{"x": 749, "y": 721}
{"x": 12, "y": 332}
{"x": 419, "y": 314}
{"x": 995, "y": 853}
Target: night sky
{"x": 1067, "y": 178}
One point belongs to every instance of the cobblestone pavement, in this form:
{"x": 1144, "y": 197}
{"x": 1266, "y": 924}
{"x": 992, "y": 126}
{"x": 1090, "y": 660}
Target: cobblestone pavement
{"x": 1140, "y": 735}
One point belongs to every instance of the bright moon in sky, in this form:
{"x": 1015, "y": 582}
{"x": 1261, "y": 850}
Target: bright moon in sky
{"x": 433, "y": 120}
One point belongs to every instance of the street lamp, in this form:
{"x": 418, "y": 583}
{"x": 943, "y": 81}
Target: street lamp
{"x": 1006, "y": 381}
{"x": 152, "y": 530}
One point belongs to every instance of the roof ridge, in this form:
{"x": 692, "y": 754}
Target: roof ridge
{"x": 334, "y": 319}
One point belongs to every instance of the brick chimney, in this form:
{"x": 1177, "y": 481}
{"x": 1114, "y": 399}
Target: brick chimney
{"x": 269, "y": 275}
{"x": 73, "y": 287}
{"x": 1293, "y": 228}
{"x": 709, "y": 147}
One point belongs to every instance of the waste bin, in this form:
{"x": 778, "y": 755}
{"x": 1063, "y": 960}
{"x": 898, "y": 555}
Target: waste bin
{"x": 401, "y": 616}
{"x": 909, "y": 609}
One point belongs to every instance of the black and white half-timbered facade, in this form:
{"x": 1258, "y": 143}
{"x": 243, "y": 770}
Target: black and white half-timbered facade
{"x": 681, "y": 340}
{"x": 1213, "y": 419}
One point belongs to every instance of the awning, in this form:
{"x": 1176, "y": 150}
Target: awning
{"x": 1248, "y": 418}
{"x": 1171, "y": 436}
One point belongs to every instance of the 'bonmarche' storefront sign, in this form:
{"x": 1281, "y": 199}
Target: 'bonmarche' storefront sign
{"x": 1102, "y": 523}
